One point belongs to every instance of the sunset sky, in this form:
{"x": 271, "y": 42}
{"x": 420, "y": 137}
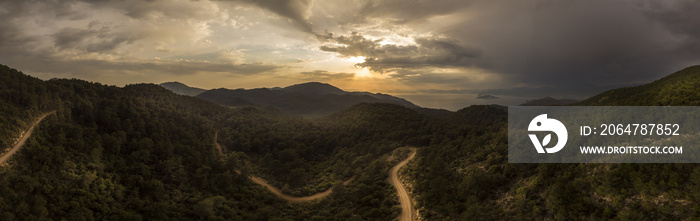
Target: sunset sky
{"x": 434, "y": 53}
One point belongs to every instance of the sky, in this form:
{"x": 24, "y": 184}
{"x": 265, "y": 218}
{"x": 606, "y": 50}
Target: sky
{"x": 435, "y": 53}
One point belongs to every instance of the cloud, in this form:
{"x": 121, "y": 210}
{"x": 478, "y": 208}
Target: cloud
{"x": 92, "y": 38}
{"x": 572, "y": 47}
{"x": 102, "y": 39}
{"x": 296, "y": 10}
{"x": 325, "y": 76}
{"x": 498, "y": 47}
{"x": 174, "y": 9}
{"x": 95, "y": 68}
{"x": 676, "y": 16}
{"x": 426, "y": 52}
{"x": 400, "y": 11}
{"x": 580, "y": 91}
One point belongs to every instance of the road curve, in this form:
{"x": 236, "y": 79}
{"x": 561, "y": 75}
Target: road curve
{"x": 291, "y": 198}
{"x": 407, "y": 211}
{"x": 216, "y": 143}
{"x": 275, "y": 190}
{"x": 23, "y": 140}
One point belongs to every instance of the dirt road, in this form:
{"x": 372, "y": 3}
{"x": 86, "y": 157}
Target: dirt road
{"x": 407, "y": 211}
{"x": 216, "y": 144}
{"x": 277, "y": 191}
{"x": 290, "y": 198}
{"x": 22, "y": 140}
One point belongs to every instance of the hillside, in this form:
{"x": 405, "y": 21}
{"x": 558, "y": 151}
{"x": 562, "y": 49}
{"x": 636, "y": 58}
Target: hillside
{"x": 464, "y": 172}
{"x": 182, "y": 89}
{"x": 548, "y": 101}
{"x": 307, "y": 99}
{"x": 141, "y": 152}
{"x": 681, "y": 88}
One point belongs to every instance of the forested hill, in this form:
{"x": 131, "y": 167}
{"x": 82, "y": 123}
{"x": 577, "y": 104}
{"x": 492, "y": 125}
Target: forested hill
{"x": 308, "y": 99}
{"x": 463, "y": 174}
{"x": 678, "y": 89}
{"x": 144, "y": 153}
{"x": 182, "y": 89}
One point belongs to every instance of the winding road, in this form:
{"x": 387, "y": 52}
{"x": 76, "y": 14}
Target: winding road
{"x": 407, "y": 211}
{"x": 275, "y": 190}
{"x": 23, "y": 140}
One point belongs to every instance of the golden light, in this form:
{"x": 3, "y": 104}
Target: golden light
{"x": 363, "y": 73}
{"x": 356, "y": 59}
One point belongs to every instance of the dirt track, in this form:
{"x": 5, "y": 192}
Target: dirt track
{"x": 23, "y": 140}
{"x": 276, "y": 191}
{"x": 407, "y": 211}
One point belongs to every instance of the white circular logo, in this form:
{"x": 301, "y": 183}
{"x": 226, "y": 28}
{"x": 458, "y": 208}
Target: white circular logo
{"x": 542, "y": 123}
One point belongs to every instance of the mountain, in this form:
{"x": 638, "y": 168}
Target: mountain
{"x": 182, "y": 89}
{"x": 313, "y": 88}
{"x": 548, "y": 101}
{"x": 141, "y": 152}
{"x": 307, "y": 99}
{"x": 681, "y": 88}
{"x": 464, "y": 172}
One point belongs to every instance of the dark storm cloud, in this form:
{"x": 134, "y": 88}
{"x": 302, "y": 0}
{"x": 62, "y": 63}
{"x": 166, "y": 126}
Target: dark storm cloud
{"x": 321, "y": 75}
{"x": 580, "y": 47}
{"x": 558, "y": 47}
{"x": 12, "y": 39}
{"x": 401, "y": 11}
{"x": 70, "y": 49}
{"x": 538, "y": 47}
{"x": 102, "y": 67}
{"x": 295, "y": 10}
{"x": 426, "y": 76}
{"x": 579, "y": 91}
{"x": 92, "y": 39}
{"x": 426, "y": 52}
{"x": 680, "y": 17}
{"x": 142, "y": 9}
{"x": 594, "y": 42}
{"x": 582, "y": 42}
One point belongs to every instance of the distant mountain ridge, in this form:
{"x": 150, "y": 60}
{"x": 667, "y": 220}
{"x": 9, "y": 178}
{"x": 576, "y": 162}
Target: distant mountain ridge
{"x": 305, "y": 99}
{"x": 134, "y": 145}
{"x": 314, "y": 88}
{"x": 182, "y": 89}
{"x": 548, "y": 101}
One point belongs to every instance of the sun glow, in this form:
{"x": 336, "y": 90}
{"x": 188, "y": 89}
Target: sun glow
{"x": 356, "y": 59}
{"x": 363, "y": 73}
{"x": 360, "y": 72}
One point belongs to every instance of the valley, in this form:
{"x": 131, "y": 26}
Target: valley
{"x": 275, "y": 190}
{"x": 359, "y": 110}
{"x": 141, "y": 152}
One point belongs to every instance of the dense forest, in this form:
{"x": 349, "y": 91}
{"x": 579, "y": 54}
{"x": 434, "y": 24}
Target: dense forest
{"x": 141, "y": 152}
{"x": 463, "y": 173}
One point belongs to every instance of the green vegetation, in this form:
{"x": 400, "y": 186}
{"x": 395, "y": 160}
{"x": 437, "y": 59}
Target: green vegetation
{"x": 678, "y": 89}
{"x": 463, "y": 174}
{"x": 143, "y": 153}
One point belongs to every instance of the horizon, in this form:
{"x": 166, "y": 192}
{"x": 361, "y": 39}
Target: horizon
{"x": 454, "y": 106}
{"x": 440, "y": 54}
